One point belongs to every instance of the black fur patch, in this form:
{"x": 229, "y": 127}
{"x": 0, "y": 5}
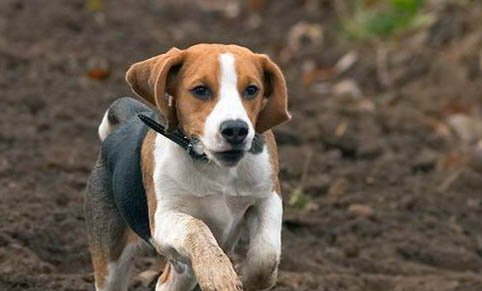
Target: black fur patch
{"x": 112, "y": 118}
{"x": 121, "y": 151}
{"x": 257, "y": 145}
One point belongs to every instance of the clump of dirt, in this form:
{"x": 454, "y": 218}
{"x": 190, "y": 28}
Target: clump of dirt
{"x": 380, "y": 166}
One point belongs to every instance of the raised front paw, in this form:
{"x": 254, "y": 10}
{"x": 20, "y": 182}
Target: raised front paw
{"x": 216, "y": 273}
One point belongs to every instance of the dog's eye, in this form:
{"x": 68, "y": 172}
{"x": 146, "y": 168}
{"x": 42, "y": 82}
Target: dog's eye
{"x": 201, "y": 92}
{"x": 250, "y": 92}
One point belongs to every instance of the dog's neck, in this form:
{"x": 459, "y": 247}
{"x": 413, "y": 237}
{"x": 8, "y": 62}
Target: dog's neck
{"x": 250, "y": 176}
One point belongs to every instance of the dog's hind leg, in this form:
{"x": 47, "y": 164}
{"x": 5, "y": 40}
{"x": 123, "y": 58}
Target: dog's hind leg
{"x": 112, "y": 244}
{"x": 112, "y": 267}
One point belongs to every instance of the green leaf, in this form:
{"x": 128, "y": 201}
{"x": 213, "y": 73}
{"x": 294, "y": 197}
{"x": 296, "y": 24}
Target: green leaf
{"x": 298, "y": 199}
{"x": 94, "y": 5}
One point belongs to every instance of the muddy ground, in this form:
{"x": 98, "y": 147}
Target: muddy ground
{"x": 381, "y": 181}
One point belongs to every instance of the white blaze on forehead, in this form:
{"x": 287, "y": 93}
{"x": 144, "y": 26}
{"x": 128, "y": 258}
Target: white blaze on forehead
{"x": 229, "y": 78}
{"x": 228, "y": 107}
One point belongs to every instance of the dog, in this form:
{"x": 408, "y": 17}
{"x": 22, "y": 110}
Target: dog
{"x": 147, "y": 190}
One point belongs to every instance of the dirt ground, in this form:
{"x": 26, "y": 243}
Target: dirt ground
{"x": 381, "y": 175}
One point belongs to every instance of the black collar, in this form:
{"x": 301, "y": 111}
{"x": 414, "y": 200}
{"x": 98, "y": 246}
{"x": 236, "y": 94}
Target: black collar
{"x": 176, "y": 136}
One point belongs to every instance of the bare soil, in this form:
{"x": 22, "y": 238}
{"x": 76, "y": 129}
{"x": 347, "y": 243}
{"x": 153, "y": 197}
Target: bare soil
{"x": 381, "y": 188}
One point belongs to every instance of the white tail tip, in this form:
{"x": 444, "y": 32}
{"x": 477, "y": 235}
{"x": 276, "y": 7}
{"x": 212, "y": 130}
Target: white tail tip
{"x": 104, "y": 128}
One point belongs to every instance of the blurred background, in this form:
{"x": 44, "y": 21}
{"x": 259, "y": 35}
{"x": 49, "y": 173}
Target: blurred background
{"x": 381, "y": 166}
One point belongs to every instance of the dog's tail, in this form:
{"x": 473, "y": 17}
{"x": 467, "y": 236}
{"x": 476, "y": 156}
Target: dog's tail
{"x": 119, "y": 111}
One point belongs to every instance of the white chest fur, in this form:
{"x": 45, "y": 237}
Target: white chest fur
{"x": 218, "y": 196}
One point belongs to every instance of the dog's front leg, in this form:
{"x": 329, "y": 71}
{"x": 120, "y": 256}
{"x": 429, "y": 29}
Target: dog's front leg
{"x": 264, "y": 220}
{"x": 188, "y": 240}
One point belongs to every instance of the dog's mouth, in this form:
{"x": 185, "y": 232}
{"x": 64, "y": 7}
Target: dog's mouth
{"x": 229, "y": 158}
{"x": 224, "y": 158}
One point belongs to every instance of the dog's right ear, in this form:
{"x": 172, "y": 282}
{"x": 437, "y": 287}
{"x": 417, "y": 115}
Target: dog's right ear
{"x": 154, "y": 80}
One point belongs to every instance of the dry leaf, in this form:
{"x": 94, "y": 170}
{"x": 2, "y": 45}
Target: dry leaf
{"x": 98, "y": 74}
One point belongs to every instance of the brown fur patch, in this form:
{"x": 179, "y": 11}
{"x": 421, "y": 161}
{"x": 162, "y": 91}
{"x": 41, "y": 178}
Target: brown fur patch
{"x": 273, "y": 159}
{"x": 99, "y": 263}
{"x": 131, "y": 237}
{"x": 102, "y": 257}
{"x": 275, "y": 109}
{"x": 147, "y": 166}
{"x": 201, "y": 67}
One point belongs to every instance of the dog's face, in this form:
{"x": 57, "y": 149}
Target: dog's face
{"x": 220, "y": 95}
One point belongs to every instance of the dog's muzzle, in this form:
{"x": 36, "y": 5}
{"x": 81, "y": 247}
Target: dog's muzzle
{"x": 234, "y": 133}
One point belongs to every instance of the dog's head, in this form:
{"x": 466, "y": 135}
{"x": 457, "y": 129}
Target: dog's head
{"x": 220, "y": 95}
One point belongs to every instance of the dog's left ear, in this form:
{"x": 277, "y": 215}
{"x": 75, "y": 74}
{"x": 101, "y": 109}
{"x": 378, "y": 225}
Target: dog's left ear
{"x": 275, "y": 110}
{"x": 154, "y": 80}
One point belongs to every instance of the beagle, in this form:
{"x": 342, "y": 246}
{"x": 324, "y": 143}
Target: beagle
{"x": 147, "y": 190}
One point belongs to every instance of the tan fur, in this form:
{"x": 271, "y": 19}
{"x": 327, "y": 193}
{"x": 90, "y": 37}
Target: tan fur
{"x": 130, "y": 237}
{"x": 102, "y": 257}
{"x": 100, "y": 267}
{"x": 152, "y": 79}
{"x": 165, "y": 274}
{"x": 147, "y": 165}
{"x": 273, "y": 158}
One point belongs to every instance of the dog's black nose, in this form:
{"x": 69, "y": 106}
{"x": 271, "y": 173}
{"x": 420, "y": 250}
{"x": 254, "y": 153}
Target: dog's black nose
{"x": 234, "y": 131}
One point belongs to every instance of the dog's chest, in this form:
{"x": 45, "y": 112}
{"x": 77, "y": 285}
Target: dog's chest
{"x": 220, "y": 201}
{"x": 217, "y": 196}
{"x": 222, "y": 214}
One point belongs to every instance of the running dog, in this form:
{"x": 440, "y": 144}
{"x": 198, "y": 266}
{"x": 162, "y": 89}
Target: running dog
{"x": 192, "y": 206}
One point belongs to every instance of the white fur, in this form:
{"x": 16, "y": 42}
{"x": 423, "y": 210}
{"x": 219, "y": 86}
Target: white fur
{"x": 264, "y": 226}
{"x": 218, "y": 196}
{"x": 119, "y": 272}
{"x": 104, "y": 128}
{"x": 229, "y": 106}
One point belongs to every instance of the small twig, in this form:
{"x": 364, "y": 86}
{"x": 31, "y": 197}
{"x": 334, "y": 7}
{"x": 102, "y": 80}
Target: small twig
{"x": 341, "y": 8}
{"x": 450, "y": 180}
{"x": 297, "y": 197}
{"x": 306, "y": 167}
{"x": 383, "y": 73}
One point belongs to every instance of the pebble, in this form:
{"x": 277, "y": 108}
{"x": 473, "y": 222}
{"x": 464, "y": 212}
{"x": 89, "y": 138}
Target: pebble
{"x": 303, "y": 31}
{"x": 347, "y": 88}
{"x": 346, "y": 62}
{"x": 338, "y": 188}
{"x": 475, "y": 160}
{"x": 361, "y": 210}
{"x": 467, "y": 128}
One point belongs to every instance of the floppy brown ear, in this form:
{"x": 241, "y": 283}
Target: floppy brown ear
{"x": 275, "y": 110}
{"x": 154, "y": 81}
